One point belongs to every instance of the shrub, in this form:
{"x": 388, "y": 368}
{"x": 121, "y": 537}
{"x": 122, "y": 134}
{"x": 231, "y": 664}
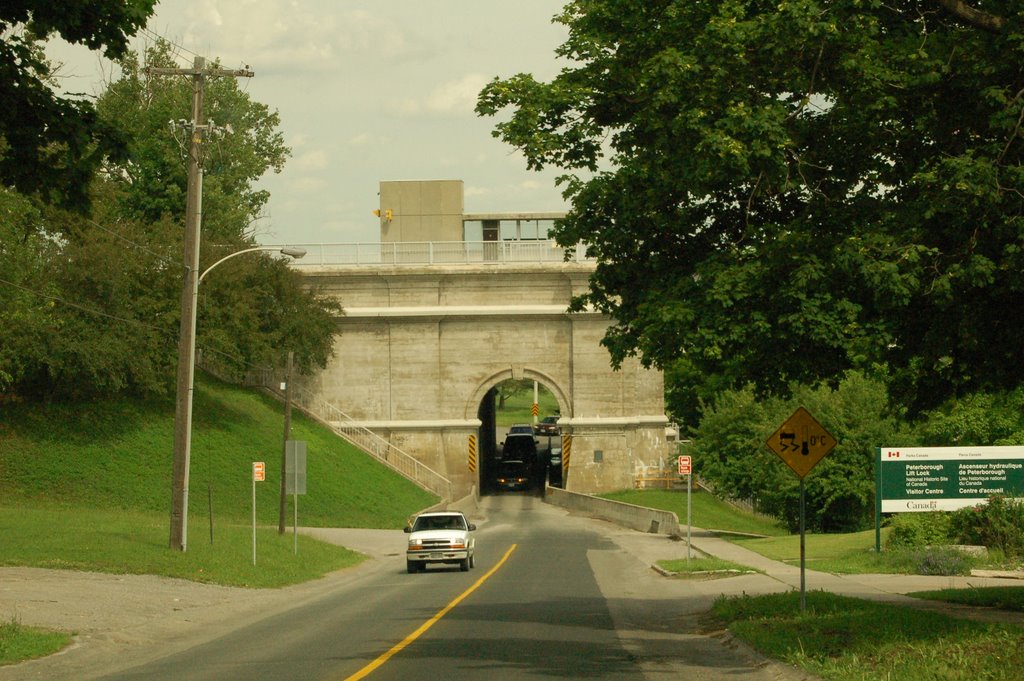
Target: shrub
{"x": 918, "y": 530}
{"x": 933, "y": 561}
{"x": 940, "y": 560}
{"x": 998, "y": 524}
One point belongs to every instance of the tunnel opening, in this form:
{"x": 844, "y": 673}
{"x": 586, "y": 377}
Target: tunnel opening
{"x": 520, "y": 441}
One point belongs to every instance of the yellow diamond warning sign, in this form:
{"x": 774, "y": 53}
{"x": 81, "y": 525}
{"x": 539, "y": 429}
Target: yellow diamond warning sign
{"x": 801, "y": 442}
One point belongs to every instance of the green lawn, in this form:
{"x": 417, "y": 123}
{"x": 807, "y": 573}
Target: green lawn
{"x": 135, "y": 542}
{"x": 705, "y": 568}
{"x": 851, "y": 553}
{"x": 838, "y": 553}
{"x": 848, "y": 639}
{"x": 19, "y": 643}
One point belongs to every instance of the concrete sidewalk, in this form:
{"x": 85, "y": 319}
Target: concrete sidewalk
{"x": 889, "y": 588}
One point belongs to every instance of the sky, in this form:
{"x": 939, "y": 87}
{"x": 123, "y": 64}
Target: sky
{"x": 367, "y": 91}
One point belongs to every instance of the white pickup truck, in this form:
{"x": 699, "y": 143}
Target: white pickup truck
{"x": 443, "y": 537}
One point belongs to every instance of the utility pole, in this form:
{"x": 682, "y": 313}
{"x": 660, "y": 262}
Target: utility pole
{"x": 283, "y": 505}
{"x": 189, "y": 294}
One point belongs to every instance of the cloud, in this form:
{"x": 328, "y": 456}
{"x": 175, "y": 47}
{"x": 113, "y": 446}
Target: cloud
{"x": 307, "y": 184}
{"x": 307, "y": 36}
{"x": 311, "y": 160}
{"x": 365, "y": 139}
{"x": 453, "y": 96}
{"x": 456, "y": 95}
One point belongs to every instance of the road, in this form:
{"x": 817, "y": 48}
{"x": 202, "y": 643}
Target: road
{"x": 552, "y": 596}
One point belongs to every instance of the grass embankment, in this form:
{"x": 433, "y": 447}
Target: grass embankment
{"x": 117, "y": 455}
{"x": 88, "y": 487}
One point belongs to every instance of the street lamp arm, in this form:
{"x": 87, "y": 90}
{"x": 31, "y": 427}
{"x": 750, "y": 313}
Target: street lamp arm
{"x": 292, "y": 252}
{"x": 186, "y": 376}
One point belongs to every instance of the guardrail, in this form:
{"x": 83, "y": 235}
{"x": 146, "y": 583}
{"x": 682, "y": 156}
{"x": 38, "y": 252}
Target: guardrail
{"x": 438, "y": 253}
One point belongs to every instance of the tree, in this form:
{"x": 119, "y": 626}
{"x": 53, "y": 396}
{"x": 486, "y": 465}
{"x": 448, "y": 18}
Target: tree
{"x": 50, "y": 145}
{"x": 153, "y": 174}
{"x": 730, "y": 450}
{"x": 980, "y": 419}
{"x": 512, "y": 387}
{"x": 94, "y": 309}
{"x": 781, "y": 192}
{"x": 26, "y": 308}
{"x": 255, "y": 309}
{"x": 252, "y": 310}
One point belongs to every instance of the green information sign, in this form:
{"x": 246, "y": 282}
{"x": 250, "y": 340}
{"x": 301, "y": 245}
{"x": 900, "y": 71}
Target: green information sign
{"x": 921, "y": 479}
{"x": 918, "y": 479}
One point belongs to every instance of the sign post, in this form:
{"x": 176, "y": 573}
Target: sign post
{"x": 259, "y": 474}
{"x": 801, "y": 442}
{"x": 686, "y": 468}
{"x": 295, "y": 462}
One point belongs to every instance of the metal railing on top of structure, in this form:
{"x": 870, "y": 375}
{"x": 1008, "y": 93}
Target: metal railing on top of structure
{"x": 439, "y": 253}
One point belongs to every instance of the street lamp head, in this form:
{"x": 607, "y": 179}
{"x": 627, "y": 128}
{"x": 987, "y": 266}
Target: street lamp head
{"x": 294, "y": 252}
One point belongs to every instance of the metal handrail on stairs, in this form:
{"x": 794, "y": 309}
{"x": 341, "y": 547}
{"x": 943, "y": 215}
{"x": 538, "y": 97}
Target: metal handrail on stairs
{"x": 391, "y": 456}
{"x": 344, "y": 425}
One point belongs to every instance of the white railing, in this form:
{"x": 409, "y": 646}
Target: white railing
{"x": 438, "y": 253}
{"x": 374, "y": 445}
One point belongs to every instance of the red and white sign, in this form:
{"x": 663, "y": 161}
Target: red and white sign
{"x": 259, "y": 471}
{"x": 684, "y": 465}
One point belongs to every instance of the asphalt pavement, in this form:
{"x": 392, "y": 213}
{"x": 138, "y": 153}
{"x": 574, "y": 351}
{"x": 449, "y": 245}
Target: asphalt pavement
{"x": 126, "y": 617}
{"x": 774, "y": 576}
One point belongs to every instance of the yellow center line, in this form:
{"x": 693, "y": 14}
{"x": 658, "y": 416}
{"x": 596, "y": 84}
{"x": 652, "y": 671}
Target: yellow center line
{"x": 365, "y": 671}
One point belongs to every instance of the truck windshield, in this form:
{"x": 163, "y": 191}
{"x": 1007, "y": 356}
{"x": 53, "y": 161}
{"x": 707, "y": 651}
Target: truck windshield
{"x": 448, "y": 522}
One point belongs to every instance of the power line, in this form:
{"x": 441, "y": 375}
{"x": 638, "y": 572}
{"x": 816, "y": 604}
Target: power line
{"x": 162, "y": 258}
{"x": 82, "y": 308}
{"x": 180, "y": 48}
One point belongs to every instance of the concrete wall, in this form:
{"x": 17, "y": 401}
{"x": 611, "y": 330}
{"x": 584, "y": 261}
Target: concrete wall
{"x": 420, "y": 345}
{"x": 627, "y": 515}
{"x": 421, "y": 210}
